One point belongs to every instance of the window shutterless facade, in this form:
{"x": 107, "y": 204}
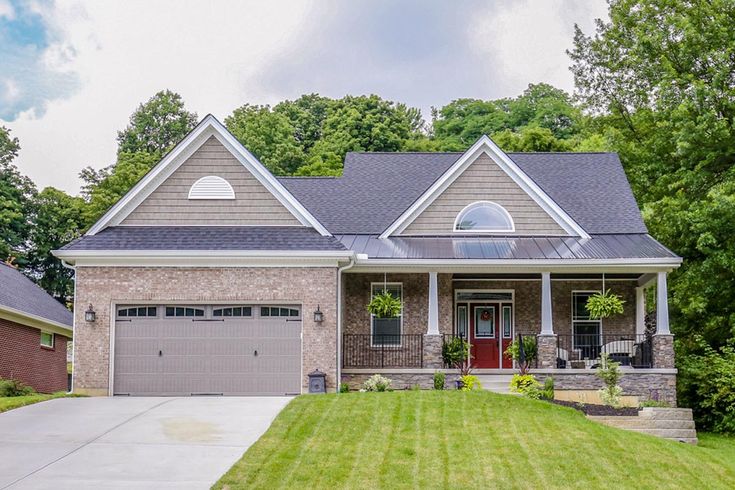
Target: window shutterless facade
{"x": 386, "y": 331}
{"x": 586, "y": 331}
{"x": 47, "y": 340}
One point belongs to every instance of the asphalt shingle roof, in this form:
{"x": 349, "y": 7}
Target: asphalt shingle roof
{"x": 376, "y": 188}
{"x": 206, "y": 238}
{"x": 20, "y": 293}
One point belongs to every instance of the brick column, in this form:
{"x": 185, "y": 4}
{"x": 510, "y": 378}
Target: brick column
{"x": 433, "y": 351}
{"x": 546, "y": 351}
{"x": 663, "y": 351}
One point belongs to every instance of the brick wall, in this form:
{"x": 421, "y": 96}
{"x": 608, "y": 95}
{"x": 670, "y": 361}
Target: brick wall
{"x": 23, "y": 358}
{"x": 103, "y": 286}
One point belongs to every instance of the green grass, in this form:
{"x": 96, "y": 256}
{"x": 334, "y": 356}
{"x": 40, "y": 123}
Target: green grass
{"x": 11, "y": 402}
{"x": 455, "y": 440}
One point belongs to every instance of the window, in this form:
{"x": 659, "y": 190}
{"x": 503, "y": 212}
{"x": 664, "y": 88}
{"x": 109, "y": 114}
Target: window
{"x": 211, "y": 187}
{"x": 278, "y": 311}
{"x": 137, "y": 311}
{"x": 233, "y": 311}
{"x": 183, "y": 311}
{"x": 462, "y": 321}
{"x": 484, "y": 296}
{"x": 387, "y": 331}
{"x": 586, "y": 331}
{"x": 507, "y": 322}
{"x": 47, "y": 340}
{"x": 485, "y": 322}
{"x": 484, "y": 216}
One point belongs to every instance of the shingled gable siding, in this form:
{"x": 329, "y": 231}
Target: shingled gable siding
{"x": 103, "y": 286}
{"x": 169, "y": 204}
{"x": 23, "y": 358}
{"x": 484, "y": 180}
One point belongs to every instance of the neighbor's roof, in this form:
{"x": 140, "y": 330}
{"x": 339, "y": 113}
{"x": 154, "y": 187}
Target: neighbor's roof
{"x": 376, "y": 188}
{"x": 282, "y": 238}
{"x": 598, "y": 247}
{"x": 20, "y": 294}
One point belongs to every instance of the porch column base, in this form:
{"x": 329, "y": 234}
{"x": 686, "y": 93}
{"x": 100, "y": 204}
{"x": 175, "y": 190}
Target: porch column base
{"x": 546, "y": 351}
{"x": 663, "y": 351}
{"x": 433, "y": 351}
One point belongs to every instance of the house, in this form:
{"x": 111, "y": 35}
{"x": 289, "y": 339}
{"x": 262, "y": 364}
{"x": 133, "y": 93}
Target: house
{"x": 212, "y": 276}
{"x": 34, "y": 331}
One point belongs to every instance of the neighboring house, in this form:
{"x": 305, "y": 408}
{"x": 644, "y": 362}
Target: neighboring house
{"x": 34, "y": 331}
{"x": 207, "y": 276}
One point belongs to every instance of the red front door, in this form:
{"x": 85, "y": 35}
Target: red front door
{"x": 484, "y": 322}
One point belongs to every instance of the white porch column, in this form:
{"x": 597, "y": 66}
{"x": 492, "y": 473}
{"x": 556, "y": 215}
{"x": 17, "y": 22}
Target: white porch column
{"x": 547, "y": 327}
{"x": 640, "y": 310}
{"x": 662, "y": 305}
{"x": 433, "y": 320}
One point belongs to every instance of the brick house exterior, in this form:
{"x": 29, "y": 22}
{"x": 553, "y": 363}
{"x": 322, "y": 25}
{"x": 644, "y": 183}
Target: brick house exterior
{"x": 210, "y": 261}
{"x": 34, "y": 331}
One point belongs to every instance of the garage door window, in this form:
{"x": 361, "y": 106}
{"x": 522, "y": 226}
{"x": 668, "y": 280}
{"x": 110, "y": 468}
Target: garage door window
{"x": 183, "y": 311}
{"x": 278, "y": 311}
{"x": 137, "y": 311}
{"x": 239, "y": 311}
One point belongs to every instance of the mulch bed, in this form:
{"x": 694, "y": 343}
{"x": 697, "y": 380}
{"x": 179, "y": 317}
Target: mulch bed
{"x": 599, "y": 410}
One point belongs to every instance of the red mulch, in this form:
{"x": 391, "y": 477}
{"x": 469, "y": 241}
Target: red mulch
{"x": 599, "y": 410}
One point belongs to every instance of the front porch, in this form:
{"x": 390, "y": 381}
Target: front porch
{"x": 490, "y": 310}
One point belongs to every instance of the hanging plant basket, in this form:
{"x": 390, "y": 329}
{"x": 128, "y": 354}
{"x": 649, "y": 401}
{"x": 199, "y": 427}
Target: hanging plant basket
{"x": 604, "y": 305}
{"x": 385, "y": 305}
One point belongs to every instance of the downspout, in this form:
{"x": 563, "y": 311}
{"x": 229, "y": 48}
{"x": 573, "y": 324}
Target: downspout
{"x": 73, "y": 324}
{"x": 339, "y": 319}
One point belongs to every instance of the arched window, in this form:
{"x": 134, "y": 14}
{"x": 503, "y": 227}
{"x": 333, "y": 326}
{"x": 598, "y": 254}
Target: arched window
{"x": 211, "y": 187}
{"x": 484, "y": 216}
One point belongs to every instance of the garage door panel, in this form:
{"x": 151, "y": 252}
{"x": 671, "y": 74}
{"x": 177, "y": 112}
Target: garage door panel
{"x": 215, "y": 356}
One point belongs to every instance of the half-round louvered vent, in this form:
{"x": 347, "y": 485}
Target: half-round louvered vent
{"x": 211, "y": 187}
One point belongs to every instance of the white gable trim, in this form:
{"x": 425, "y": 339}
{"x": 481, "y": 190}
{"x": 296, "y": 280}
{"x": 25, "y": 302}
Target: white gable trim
{"x": 486, "y": 145}
{"x": 209, "y": 126}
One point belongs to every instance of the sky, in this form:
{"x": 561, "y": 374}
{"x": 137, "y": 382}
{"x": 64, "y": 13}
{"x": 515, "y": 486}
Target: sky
{"x": 72, "y": 72}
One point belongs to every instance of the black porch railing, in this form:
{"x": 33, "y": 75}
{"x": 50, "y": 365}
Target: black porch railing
{"x": 584, "y": 351}
{"x": 382, "y": 351}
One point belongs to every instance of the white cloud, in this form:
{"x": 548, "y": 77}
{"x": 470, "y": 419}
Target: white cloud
{"x": 7, "y": 10}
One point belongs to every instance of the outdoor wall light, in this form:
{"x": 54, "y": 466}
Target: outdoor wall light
{"x": 318, "y": 315}
{"x": 90, "y": 315}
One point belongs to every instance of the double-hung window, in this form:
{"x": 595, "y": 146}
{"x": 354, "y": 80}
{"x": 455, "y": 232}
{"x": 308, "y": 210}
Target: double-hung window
{"x": 387, "y": 331}
{"x": 586, "y": 331}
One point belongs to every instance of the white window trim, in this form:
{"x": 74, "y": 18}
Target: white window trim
{"x": 466, "y": 318}
{"x": 53, "y": 339}
{"x": 372, "y": 317}
{"x": 503, "y": 306}
{"x": 211, "y": 187}
{"x": 571, "y": 316}
{"x": 478, "y": 204}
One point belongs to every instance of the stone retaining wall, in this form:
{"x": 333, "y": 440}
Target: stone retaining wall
{"x": 643, "y": 385}
{"x": 401, "y": 381}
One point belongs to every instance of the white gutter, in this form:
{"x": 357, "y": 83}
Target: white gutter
{"x": 73, "y": 325}
{"x": 339, "y": 320}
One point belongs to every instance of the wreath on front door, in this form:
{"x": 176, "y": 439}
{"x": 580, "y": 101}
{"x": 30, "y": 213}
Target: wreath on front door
{"x": 485, "y": 315}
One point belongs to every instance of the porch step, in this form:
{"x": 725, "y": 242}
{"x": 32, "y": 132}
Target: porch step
{"x": 669, "y": 423}
{"x": 497, "y": 383}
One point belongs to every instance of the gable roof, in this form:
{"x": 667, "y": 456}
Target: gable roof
{"x": 208, "y": 127}
{"x": 376, "y": 188}
{"x": 21, "y": 296}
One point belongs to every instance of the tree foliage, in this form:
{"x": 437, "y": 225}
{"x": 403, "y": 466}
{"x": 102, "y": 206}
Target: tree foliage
{"x": 16, "y": 200}
{"x": 157, "y": 125}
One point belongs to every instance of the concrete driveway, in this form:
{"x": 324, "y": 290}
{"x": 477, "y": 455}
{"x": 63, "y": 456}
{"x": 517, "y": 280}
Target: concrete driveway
{"x": 129, "y": 443}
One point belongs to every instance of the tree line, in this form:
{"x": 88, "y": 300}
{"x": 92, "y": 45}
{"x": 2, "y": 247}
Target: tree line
{"x": 656, "y": 84}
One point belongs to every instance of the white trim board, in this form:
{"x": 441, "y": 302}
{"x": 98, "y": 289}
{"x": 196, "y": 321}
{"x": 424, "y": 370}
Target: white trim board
{"x": 35, "y": 321}
{"x": 209, "y": 126}
{"x": 487, "y": 146}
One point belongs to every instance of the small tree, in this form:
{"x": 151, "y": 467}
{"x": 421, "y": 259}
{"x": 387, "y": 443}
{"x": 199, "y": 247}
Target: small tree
{"x": 455, "y": 353}
{"x": 609, "y": 373}
{"x": 527, "y": 356}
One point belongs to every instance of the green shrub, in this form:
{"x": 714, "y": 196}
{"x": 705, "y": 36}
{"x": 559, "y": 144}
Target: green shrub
{"x": 454, "y": 352}
{"x": 609, "y": 373}
{"x": 344, "y": 388}
{"x": 385, "y": 305}
{"x": 14, "y": 387}
{"x": 415, "y": 387}
{"x": 604, "y": 305}
{"x": 377, "y": 382}
{"x": 530, "y": 349}
{"x": 706, "y": 382}
{"x": 470, "y": 382}
{"x": 547, "y": 393}
{"x": 439, "y": 379}
{"x": 527, "y": 385}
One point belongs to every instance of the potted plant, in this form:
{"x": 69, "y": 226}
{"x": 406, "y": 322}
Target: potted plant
{"x": 455, "y": 354}
{"x": 604, "y": 305}
{"x": 524, "y": 351}
{"x": 385, "y": 305}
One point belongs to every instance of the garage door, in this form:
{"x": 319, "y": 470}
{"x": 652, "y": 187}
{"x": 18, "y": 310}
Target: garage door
{"x": 207, "y": 350}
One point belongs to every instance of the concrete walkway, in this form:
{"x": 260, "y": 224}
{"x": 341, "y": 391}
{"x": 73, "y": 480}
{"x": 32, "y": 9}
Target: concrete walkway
{"x": 498, "y": 383}
{"x": 131, "y": 443}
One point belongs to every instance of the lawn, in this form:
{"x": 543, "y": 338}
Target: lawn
{"x": 449, "y": 439}
{"x": 11, "y": 402}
